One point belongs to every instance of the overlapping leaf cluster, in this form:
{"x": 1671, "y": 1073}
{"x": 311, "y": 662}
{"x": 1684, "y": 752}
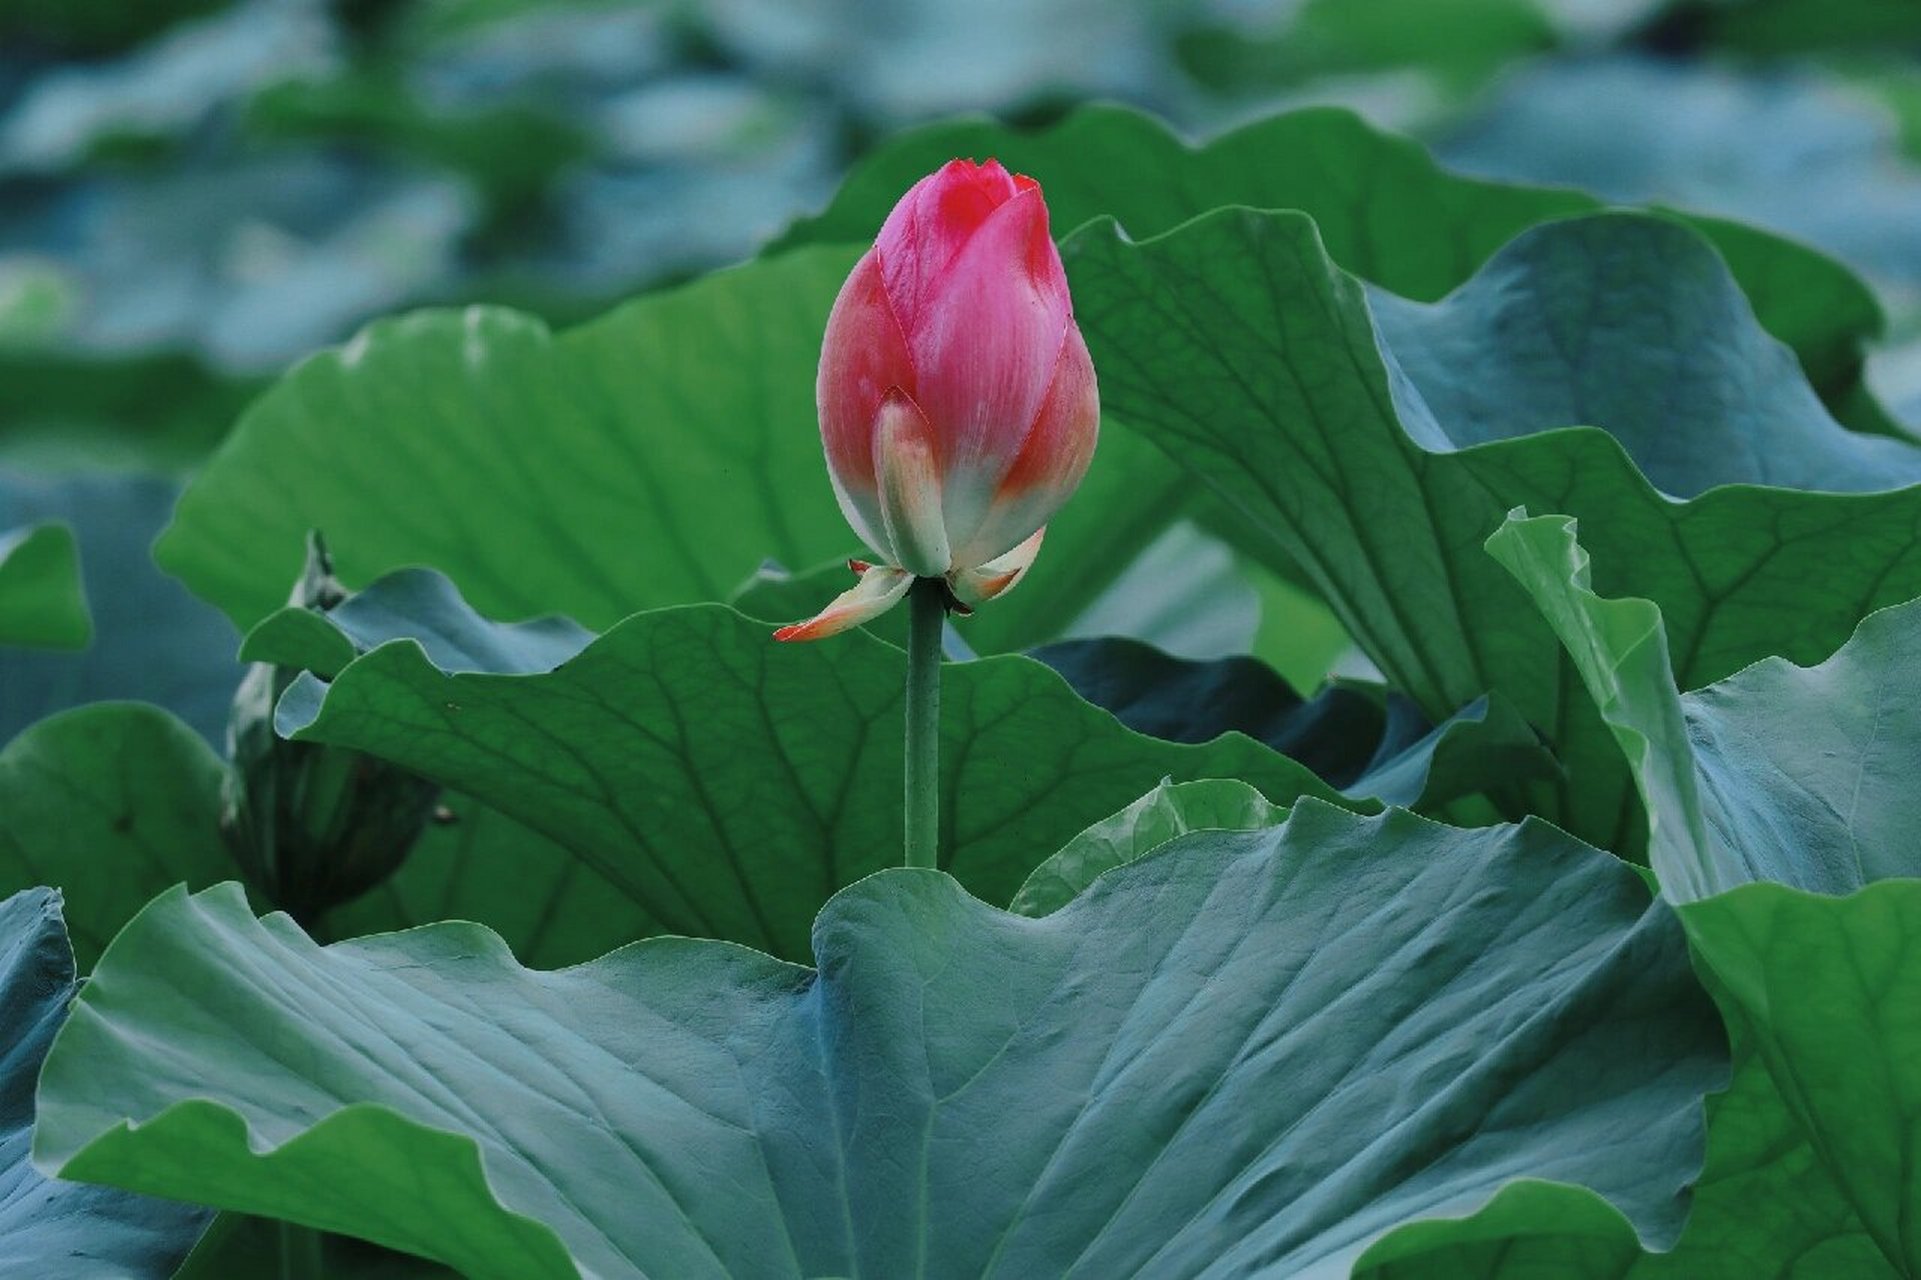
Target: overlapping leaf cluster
{"x": 1578, "y": 942}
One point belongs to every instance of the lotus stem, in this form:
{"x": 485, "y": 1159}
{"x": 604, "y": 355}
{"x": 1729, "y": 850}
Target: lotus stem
{"x": 927, "y": 601}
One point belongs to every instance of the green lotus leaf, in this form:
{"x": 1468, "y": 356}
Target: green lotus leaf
{"x": 726, "y": 785}
{"x": 111, "y": 803}
{"x": 1277, "y": 380}
{"x": 1769, "y": 793}
{"x": 1253, "y": 1053}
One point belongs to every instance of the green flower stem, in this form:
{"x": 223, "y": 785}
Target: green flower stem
{"x": 927, "y": 605}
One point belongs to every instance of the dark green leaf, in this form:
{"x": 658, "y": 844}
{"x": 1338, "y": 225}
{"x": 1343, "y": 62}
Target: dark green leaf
{"x": 1253, "y": 1053}
{"x": 729, "y": 784}
{"x": 111, "y": 803}
{"x": 1367, "y": 746}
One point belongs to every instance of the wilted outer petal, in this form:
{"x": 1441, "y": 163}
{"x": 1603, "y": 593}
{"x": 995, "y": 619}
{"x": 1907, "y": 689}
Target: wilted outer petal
{"x": 1051, "y": 461}
{"x": 880, "y": 588}
{"x": 932, "y": 221}
{"x": 863, "y": 356}
{"x": 999, "y": 576}
{"x": 985, "y": 345}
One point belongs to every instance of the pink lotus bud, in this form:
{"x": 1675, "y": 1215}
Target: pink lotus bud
{"x": 957, "y": 401}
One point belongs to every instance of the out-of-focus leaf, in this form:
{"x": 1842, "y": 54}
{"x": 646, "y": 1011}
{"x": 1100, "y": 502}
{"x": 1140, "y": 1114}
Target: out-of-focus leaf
{"x": 41, "y": 601}
{"x": 62, "y": 412}
{"x": 1458, "y": 43}
{"x": 164, "y": 88}
{"x": 152, "y": 640}
{"x": 1795, "y": 153}
{"x": 511, "y": 152}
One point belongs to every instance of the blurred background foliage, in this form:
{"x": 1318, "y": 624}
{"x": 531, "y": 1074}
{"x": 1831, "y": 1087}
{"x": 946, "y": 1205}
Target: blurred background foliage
{"x": 196, "y": 193}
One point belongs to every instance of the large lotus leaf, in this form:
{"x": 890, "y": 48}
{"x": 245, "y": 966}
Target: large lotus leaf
{"x": 1633, "y": 325}
{"x": 1764, "y": 1204}
{"x": 57, "y": 1228}
{"x": 1385, "y": 210}
{"x": 111, "y": 803}
{"x": 1768, "y": 792}
{"x": 41, "y": 603}
{"x": 1296, "y": 411}
{"x": 728, "y": 785}
{"x": 152, "y": 640}
{"x": 1253, "y": 1054}
{"x": 652, "y": 457}
{"x": 1369, "y": 747}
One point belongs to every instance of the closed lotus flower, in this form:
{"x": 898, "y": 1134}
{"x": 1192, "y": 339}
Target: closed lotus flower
{"x": 957, "y": 402}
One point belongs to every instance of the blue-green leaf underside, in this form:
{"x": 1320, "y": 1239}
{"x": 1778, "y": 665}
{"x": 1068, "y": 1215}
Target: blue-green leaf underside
{"x": 50, "y": 1228}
